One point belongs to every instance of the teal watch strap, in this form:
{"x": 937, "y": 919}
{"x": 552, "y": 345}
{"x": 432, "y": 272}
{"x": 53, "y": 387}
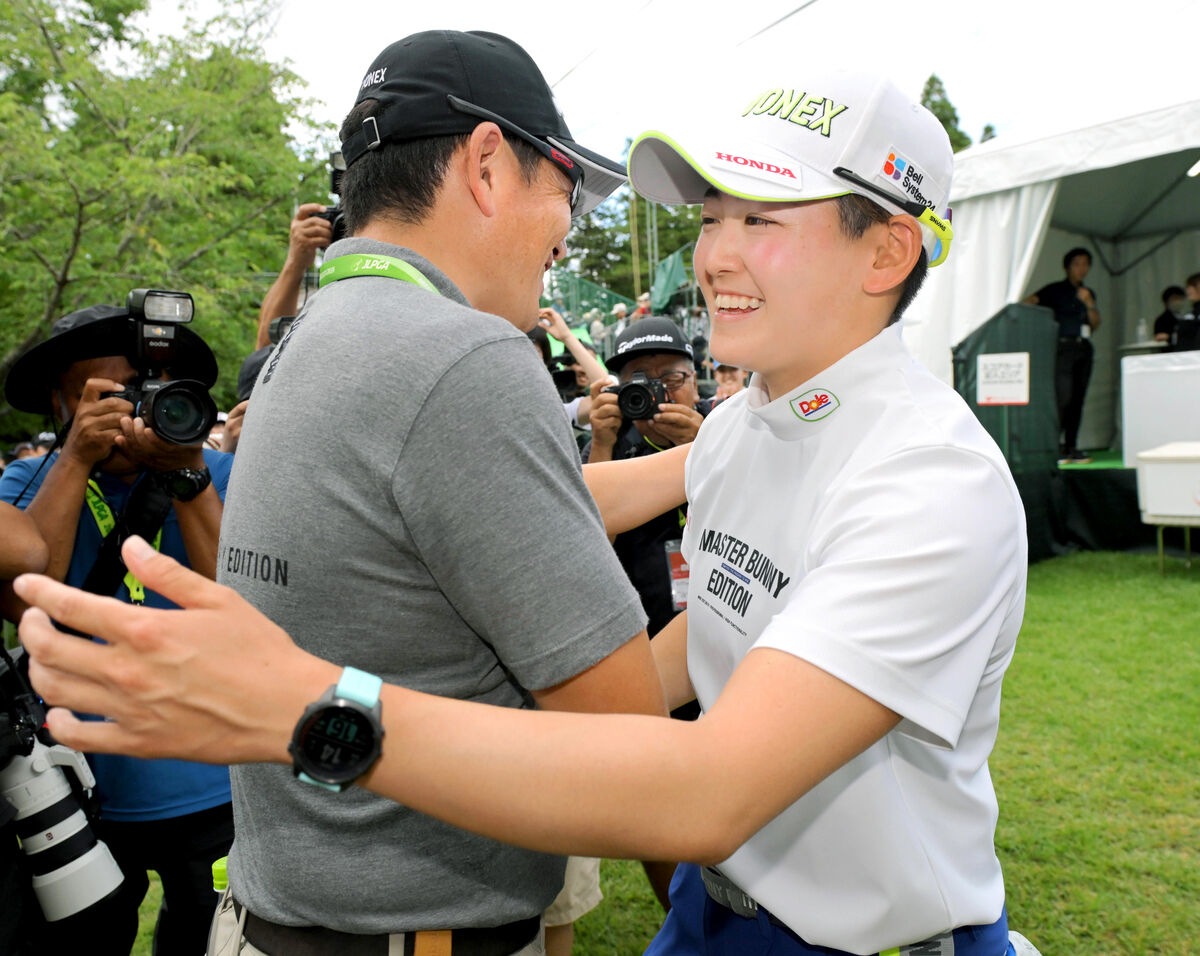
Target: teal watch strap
{"x": 360, "y": 686}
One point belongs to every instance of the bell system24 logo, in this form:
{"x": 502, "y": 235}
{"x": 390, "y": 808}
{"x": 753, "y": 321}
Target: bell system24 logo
{"x": 814, "y": 405}
{"x": 894, "y": 165}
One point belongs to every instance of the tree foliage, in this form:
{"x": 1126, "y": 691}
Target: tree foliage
{"x": 600, "y": 245}
{"x": 130, "y": 161}
{"x": 934, "y": 99}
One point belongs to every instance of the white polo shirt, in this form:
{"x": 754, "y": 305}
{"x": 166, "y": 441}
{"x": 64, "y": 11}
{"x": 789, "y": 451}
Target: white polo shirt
{"x": 867, "y": 523}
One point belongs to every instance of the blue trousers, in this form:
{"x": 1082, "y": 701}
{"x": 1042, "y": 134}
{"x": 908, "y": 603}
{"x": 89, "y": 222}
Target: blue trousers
{"x": 698, "y": 926}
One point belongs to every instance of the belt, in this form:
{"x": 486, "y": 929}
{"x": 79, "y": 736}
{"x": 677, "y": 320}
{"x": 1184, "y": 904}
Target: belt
{"x": 725, "y": 892}
{"x": 1072, "y": 338}
{"x": 721, "y": 889}
{"x": 280, "y": 940}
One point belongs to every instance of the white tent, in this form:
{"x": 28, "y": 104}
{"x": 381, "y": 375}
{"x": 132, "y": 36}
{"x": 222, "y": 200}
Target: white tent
{"x": 1120, "y": 189}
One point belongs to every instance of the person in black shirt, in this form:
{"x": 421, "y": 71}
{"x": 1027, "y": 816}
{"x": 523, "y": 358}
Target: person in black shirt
{"x": 1187, "y": 332}
{"x": 658, "y": 348}
{"x": 1074, "y": 307}
{"x": 1176, "y": 307}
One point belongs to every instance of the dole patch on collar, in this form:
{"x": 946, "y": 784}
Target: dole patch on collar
{"x": 815, "y": 404}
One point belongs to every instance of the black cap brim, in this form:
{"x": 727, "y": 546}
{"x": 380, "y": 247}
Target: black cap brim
{"x": 601, "y": 176}
{"x": 35, "y": 374}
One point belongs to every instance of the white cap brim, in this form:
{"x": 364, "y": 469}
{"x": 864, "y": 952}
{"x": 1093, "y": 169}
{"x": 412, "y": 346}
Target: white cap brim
{"x": 678, "y": 171}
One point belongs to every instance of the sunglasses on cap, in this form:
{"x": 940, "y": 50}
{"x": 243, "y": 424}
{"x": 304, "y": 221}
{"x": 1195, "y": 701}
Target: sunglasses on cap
{"x": 942, "y": 233}
{"x": 548, "y": 147}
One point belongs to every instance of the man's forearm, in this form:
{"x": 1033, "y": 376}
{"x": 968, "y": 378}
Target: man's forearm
{"x": 587, "y": 361}
{"x": 282, "y": 298}
{"x": 200, "y": 525}
{"x": 56, "y": 508}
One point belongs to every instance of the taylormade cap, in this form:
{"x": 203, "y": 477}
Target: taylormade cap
{"x": 648, "y": 337}
{"x": 443, "y": 82}
{"x": 819, "y": 137}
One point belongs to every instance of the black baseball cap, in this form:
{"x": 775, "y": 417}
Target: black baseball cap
{"x": 648, "y": 337}
{"x": 444, "y": 82}
{"x": 95, "y": 332}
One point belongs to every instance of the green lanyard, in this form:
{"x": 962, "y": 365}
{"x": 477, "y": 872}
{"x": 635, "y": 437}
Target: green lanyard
{"x": 356, "y": 264}
{"x": 106, "y": 522}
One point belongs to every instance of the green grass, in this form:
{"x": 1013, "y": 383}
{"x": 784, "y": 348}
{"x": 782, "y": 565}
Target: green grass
{"x": 1096, "y": 764}
{"x": 1096, "y": 769}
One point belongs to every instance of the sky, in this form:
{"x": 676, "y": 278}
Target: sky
{"x": 1028, "y": 67}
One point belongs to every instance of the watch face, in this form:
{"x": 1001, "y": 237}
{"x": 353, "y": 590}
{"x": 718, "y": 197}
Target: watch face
{"x": 179, "y": 486}
{"x": 336, "y": 744}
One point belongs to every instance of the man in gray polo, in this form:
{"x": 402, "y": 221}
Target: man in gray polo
{"x": 429, "y": 524}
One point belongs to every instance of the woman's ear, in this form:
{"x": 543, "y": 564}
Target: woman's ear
{"x": 896, "y": 253}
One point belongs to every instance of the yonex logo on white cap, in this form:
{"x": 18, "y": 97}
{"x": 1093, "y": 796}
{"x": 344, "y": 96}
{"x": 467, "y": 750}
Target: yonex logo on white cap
{"x": 803, "y": 109}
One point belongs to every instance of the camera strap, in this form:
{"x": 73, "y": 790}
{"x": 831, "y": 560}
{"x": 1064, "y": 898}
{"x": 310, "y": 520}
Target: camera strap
{"x": 356, "y": 264}
{"x": 109, "y": 559}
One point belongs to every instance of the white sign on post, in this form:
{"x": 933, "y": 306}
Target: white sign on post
{"x": 1002, "y": 378}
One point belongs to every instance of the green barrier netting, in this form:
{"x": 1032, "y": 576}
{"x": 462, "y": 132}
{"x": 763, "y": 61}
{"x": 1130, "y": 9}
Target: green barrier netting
{"x": 573, "y": 295}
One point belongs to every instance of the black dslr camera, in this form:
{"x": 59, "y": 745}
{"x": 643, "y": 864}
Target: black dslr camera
{"x": 180, "y": 411}
{"x": 334, "y": 214}
{"x": 639, "y": 397}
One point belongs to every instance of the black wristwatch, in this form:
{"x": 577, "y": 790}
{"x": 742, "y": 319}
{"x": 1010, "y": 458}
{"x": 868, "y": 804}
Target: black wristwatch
{"x": 340, "y": 736}
{"x": 183, "y": 484}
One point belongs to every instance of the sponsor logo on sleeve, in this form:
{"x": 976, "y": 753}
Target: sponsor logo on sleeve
{"x": 815, "y": 404}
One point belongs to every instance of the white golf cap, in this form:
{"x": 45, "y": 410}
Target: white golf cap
{"x": 827, "y": 135}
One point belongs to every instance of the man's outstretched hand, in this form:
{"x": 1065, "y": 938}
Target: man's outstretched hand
{"x": 214, "y": 681}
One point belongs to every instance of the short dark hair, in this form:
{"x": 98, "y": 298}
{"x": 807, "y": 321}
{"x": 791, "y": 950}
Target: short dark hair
{"x": 539, "y": 337}
{"x": 857, "y": 214}
{"x": 1193, "y": 279}
{"x": 1075, "y": 253}
{"x": 400, "y": 180}
{"x": 1171, "y": 292}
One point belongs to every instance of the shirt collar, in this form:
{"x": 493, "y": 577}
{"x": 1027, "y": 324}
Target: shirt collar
{"x": 828, "y": 397}
{"x": 363, "y": 246}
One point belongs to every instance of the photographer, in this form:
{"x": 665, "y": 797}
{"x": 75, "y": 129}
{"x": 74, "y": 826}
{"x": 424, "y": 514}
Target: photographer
{"x": 657, "y": 349}
{"x": 113, "y": 472}
{"x": 307, "y": 233}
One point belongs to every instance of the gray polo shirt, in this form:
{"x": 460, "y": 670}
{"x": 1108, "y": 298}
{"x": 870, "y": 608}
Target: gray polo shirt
{"x": 407, "y": 499}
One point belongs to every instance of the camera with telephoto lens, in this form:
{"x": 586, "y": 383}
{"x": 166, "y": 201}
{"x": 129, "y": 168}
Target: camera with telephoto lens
{"x": 639, "y": 397}
{"x": 333, "y": 214}
{"x": 71, "y": 869}
{"x": 179, "y": 411}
